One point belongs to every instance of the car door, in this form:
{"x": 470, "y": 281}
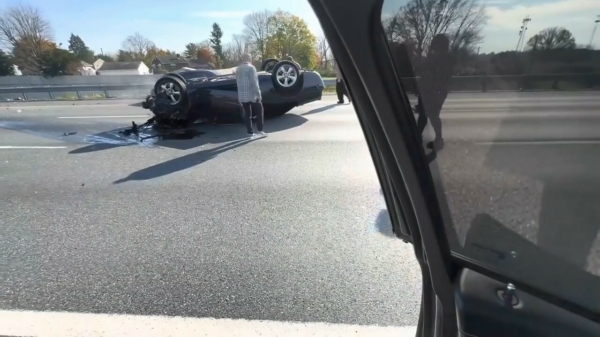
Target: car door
{"x": 485, "y": 278}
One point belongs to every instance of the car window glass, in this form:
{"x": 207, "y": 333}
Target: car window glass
{"x": 506, "y": 95}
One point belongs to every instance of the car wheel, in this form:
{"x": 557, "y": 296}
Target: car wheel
{"x": 268, "y": 65}
{"x": 287, "y": 78}
{"x": 171, "y": 89}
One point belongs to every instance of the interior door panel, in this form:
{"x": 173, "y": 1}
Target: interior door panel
{"x": 483, "y": 312}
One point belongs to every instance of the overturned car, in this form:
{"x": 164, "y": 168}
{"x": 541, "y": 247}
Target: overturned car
{"x": 189, "y": 95}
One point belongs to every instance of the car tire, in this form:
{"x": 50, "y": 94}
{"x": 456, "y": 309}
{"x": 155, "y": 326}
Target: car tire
{"x": 173, "y": 89}
{"x": 268, "y": 65}
{"x": 287, "y": 78}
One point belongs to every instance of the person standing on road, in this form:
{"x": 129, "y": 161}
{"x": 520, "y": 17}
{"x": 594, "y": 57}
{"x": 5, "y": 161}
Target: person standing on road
{"x": 340, "y": 86}
{"x": 249, "y": 95}
{"x": 434, "y": 87}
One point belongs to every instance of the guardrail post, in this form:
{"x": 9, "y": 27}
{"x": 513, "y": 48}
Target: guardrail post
{"x": 51, "y": 96}
{"x": 78, "y": 94}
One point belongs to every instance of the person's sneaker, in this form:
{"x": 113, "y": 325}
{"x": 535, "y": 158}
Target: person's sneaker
{"x": 340, "y": 102}
{"x": 262, "y": 134}
{"x": 251, "y": 135}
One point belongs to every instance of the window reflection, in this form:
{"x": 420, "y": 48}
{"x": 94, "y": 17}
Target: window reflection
{"x": 514, "y": 88}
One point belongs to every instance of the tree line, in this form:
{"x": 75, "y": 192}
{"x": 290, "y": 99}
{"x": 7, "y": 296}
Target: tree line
{"x": 26, "y": 36}
{"x": 552, "y": 50}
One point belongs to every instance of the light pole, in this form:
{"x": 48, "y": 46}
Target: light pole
{"x": 522, "y": 33}
{"x": 594, "y": 31}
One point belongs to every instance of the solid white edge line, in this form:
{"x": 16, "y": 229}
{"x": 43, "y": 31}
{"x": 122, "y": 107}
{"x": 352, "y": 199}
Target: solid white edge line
{"x": 32, "y": 147}
{"x": 89, "y": 117}
{"x": 62, "y": 324}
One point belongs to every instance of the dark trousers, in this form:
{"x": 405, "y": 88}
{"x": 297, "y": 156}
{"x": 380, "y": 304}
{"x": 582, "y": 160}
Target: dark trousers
{"x": 253, "y": 108}
{"x": 340, "y": 90}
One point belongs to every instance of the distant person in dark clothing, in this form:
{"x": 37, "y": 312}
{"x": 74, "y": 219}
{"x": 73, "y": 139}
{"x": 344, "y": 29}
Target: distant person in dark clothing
{"x": 434, "y": 86}
{"x": 340, "y": 86}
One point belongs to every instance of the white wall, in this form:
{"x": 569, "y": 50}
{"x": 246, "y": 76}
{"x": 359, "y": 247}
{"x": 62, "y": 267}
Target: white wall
{"x": 143, "y": 69}
{"x": 98, "y": 63}
{"x": 16, "y": 70}
{"x": 88, "y": 71}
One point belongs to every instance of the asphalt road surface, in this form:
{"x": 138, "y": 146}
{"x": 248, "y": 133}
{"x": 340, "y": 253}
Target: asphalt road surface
{"x": 291, "y": 227}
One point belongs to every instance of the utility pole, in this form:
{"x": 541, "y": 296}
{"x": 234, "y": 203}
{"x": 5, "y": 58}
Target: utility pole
{"x": 594, "y": 31}
{"x": 522, "y": 32}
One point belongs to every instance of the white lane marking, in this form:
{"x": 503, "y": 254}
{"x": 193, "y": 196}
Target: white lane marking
{"x": 91, "y": 117}
{"x": 32, "y": 147}
{"x": 550, "y": 142}
{"x": 62, "y": 324}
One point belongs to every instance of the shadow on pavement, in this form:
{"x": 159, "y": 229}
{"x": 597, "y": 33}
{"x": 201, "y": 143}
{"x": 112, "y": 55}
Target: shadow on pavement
{"x": 321, "y": 109}
{"x": 181, "y": 163}
{"x": 383, "y": 224}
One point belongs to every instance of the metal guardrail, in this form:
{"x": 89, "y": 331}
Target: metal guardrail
{"x": 78, "y": 89}
{"x": 458, "y": 84}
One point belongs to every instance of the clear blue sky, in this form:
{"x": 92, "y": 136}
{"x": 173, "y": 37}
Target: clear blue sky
{"x": 104, "y": 24}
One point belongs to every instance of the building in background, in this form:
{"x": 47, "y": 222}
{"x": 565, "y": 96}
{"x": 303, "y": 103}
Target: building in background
{"x": 98, "y": 63}
{"x": 87, "y": 69}
{"x": 124, "y": 68}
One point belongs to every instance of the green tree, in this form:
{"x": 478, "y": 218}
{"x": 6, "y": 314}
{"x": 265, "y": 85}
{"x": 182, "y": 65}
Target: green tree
{"x": 191, "y": 50}
{"x": 291, "y": 37}
{"x": 57, "y": 62}
{"x": 258, "y": 27}
{"x": 215, "y": 42}
{"x": 6, "y": 65}
{"x": 80, "y": 50}
{"x": 124, "y": 56}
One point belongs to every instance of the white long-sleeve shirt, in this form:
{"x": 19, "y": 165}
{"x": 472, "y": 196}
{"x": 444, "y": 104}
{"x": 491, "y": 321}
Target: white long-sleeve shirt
{"x": 247, "y": 83}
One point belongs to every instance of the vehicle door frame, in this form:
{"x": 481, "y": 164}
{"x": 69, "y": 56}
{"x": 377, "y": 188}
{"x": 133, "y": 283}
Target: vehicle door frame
{"x": 364, "y": 57}
{"x": 364, "y": 64}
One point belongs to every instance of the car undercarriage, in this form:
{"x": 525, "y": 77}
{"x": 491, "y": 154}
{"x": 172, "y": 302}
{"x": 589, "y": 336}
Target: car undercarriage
{"x": 168, "y": 122}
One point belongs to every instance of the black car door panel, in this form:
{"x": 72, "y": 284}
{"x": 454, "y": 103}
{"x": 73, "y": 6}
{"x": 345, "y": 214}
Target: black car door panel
{"x": 484, "y": 310}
